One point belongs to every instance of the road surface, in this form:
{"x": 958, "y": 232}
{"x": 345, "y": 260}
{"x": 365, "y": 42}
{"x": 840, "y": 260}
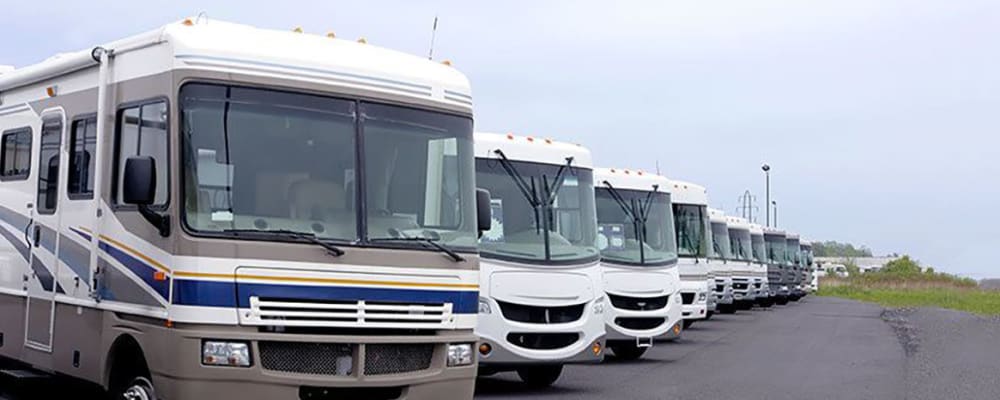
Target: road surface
{"x": 819, "y": 348}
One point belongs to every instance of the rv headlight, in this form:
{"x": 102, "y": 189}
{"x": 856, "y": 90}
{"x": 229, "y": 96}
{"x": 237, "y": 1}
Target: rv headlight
{"x": 599, "y": 305}
{"x": 484, "y": 307}
{"x": 225, "y": 354}
{"x": 702, "y": 296}
{"x": 460, "y": 354}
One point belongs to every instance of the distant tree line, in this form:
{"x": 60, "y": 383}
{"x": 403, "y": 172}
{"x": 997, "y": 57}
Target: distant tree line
{"x": 832, "y": 248}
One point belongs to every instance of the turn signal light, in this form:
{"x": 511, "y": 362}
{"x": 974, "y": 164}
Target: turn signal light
{"x": 596, "y": 348}
{"x": 485, "y": 349}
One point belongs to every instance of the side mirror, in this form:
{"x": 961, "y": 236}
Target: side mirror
{"x": 139, "y": 182}
{"x": 484, "y": 212}
{"x": 139, "y": 188}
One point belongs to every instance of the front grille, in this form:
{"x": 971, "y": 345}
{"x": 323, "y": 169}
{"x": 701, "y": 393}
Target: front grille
{"x": 541, "y": 315}
{"x": 639, "y": 323}
{"x": 720, "y": 288}
{"x": 543, "y": 341}
{"x": 687, "y": 298}
{"x": 740, "y": 286}
{"x": 638, "y": 303}
{"x": 348, "y": 314}
{"x": 307, "y": 358}
{"x": 384, "y": 359}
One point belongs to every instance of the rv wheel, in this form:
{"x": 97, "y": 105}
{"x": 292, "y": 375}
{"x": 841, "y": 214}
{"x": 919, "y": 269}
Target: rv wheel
{"x": 540, "y": 376}
{"x": 140, "y": 389}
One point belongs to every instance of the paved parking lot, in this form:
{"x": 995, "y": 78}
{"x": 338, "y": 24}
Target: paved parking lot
{"x": 819, "y": 348}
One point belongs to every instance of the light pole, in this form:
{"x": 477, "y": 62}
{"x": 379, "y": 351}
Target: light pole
{"x": 775, "y": 204}
{"x": 767, "y": 191}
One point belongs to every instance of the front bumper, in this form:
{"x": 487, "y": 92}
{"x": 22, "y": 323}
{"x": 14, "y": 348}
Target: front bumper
{"x": 174, "y": 356}
{"x": 671, "y": 316}
{"x": 494, "y": 329}
{"x": 698, "y": 289}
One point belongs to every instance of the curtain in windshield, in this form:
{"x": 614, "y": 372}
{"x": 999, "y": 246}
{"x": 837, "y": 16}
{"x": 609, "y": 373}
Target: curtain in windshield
{"x": 739, "y": 244}
{"x": 720, "y": 241}
{"x": 691, "y": 225}
{"x": 757, "y": 244}
{"x": 517, "y": 232}
{"x": 418, "y": 170}
{"x": 617, "y": 231}
{"x": 267, "y": 160}
{"x": 776, "y": 248}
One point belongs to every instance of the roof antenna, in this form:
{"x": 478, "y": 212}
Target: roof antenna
{"x": 658, "y": 167}
{"x": 200, "y": 16}
{"x": 430, "y": 54}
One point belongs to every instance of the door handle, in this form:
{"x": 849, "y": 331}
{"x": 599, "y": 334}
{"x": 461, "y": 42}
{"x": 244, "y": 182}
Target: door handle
{"x": 38, "y": 235}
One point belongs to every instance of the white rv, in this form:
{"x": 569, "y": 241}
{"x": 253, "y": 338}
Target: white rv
{"x": 746, "y": 284}
{"x": 764, "y": 295}
{"x": 211, "y": 208}
{"x": 541, "y": 302}
{"x": 810, "y": 280}
{"x": 777, "y": 275}
{"x": 635, "y": 226}
{"x": 718, "y": 263}
{"x": 794, "y": 263}
{"x": 694, "y": 243}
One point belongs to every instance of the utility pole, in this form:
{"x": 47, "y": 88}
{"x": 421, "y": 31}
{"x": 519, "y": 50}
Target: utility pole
{"x": 767, "y": 186}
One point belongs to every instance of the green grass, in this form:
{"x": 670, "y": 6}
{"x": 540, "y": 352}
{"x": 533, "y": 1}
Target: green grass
{"x": 983, "y": 302}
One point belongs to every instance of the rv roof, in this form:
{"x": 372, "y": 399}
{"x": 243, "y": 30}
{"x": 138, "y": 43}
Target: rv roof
{"x": 631, "y": 179}
{"x": 716, "y": 215}
{"x": 756, "y": 229}
{"x": 531, "y": 149}
{"x": 229, "y": 47}
{"x": 792, "y": 235}
{"x": 770, "y": 230}
{"x": 688, "y": 193}
{"x": 738, "y": 223}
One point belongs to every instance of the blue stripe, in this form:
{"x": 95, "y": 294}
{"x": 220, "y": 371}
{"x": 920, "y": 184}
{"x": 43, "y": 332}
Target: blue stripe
{"x": 225, "y": 294}
{"x": 139, "y": 268}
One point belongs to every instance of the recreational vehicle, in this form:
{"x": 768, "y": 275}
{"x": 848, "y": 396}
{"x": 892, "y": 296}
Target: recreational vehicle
{"x": 694, "y": 243}
{"x": 635, "y": 226}
{"x": 777, "y": 276}
{"x": 810, "y": 280}
{"x": 759, "y": 250}
{"x": 541, "y": 301}
{"x": 793, "y": 262}
{"x": 746, "y": 288}
{"x": 718, "y": 263}
{"x": 211, "y": 208}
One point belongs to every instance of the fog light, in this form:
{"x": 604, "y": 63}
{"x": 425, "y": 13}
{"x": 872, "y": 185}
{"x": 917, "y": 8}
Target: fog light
{"x": 485, "y": 349}
{"x": 459, "y": 354}
{"x": 677, "y": 328}
{"x": 225, "y": 354}
{"x": 596, "y": 348}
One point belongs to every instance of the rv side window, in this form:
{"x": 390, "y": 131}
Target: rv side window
{"x": 83, "y": 142}
{"x": 142, "y": 130}
{"x": 15, "y": 156}
{"x": 48, "y": 166}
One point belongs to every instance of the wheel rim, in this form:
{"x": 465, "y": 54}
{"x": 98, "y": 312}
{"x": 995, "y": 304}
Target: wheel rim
{"x": 141, "y": 389}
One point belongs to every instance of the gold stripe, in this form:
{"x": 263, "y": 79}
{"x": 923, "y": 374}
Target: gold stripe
{"x": 136, "y": 253}
{"x": 328, "y": 280}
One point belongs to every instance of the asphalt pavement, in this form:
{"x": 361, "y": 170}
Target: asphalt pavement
{"x": 819, "y": 348}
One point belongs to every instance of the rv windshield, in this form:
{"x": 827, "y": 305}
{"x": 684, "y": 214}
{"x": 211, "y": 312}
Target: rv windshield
{"x": 257, "y": 159}
{"x": 739, "y": 243}
{"x": 776, "y": 248}
{"x": 518, "y": 233}
{"x": 720, "y": 241}
{"x": 793, "y": 257}
{"x": 618, "y": 231}
{"x": 759, "y": 250}
{"x": 691, "y": 225}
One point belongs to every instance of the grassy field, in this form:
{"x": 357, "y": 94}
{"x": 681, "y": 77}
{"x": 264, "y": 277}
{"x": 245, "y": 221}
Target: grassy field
{"x": 905, "y": 283}
{"x": 984, "y": 302}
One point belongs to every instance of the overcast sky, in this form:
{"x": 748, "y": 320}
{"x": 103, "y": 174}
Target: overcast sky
{"x": 879, "y": 118}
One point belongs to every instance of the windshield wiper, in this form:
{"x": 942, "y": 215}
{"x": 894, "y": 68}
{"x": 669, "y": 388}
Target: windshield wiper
{"x": 433, "y": 242}
{"x": 540, "y": 204}
{"x": 638, "y": 210}
{"x": 309, "y": 237}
